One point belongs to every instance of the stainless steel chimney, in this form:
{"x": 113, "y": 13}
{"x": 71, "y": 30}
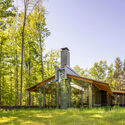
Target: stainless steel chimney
{"x": 65, "y": 57}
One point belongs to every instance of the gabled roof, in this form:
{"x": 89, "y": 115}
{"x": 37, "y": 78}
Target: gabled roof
{"x": 70, "y": 71}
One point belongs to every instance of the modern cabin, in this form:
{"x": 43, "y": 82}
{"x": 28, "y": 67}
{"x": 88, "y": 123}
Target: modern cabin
{"x": 69, "y": 89}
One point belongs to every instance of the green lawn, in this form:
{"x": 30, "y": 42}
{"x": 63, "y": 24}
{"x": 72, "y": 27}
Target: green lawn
{"x": 94, "y": 116}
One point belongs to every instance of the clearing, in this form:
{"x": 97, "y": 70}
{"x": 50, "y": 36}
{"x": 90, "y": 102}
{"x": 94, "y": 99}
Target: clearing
{"x": 72, "y": 116}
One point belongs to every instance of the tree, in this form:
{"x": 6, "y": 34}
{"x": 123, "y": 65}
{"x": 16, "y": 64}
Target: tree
{"x": 26, "y": 7}
{"x": 35, "y": 34}
{"x": 34, "y": 60}
{"x": 109, "y": 78}
{"x": 79, "y": 70}
{"x": 6, "y": 10}
{"x": 51, "y": 61}
{"x": 123, "y": 76}
{"x": 118, "y": 73}
{"x": 98, "y": 71}
{"x": 26, "y": 2}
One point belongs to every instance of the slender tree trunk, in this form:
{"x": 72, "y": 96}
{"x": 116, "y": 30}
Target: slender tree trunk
{"x": 16, "y": 83}
{"x": 16, "y": 88}
{"x": 0, "y": 82}
{"x": 11, "y": 93}
{"x": 1, "y": 74}
{"x": 42, "y": 72}
{"x": 3, "y": 83}
{"x": 24, "y": 22}
{"x": 41, "y": 51}
{"x": 0, "y": 87}
{"x": 29, "y": 81}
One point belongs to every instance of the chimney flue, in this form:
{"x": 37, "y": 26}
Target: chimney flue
{"x": 65, "y": 57}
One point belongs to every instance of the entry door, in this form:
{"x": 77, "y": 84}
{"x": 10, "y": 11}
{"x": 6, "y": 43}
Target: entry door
{"x": 103, "y": 98}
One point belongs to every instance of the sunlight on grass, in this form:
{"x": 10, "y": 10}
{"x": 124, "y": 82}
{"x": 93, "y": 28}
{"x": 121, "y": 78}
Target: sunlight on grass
{"x": 5, "y": 119}
{"x": 44, "y": 116}
{"x": 97, "y": 116}
{"x": 94, "y": 116}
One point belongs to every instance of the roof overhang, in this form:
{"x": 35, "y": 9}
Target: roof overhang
{"x": 35, "y": 87}
{"x": 118, "y": 92}
{"x": 100, "y": 85}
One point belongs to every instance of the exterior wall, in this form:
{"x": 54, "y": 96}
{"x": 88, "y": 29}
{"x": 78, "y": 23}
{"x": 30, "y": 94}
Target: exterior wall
{"x": 119, "y": 99}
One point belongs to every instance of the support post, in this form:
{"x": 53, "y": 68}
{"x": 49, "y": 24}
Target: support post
{"x": 63, "y": 94}
{"x": 116, "y": 99}
{"x": 90, "y": 96}
{"x": 69, "y": 94}
{"x": 82, "y": 98}
{"x": 40, "y": 98}
{"x": 44, "y": 101}
{"x": 93, "y": 96}
{"x": 123, "y": 100}
{"x": 57, "y": 94}
{"x": 107, "y": 97}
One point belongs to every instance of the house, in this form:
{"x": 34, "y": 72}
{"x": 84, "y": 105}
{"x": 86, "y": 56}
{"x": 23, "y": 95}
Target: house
{"x": 88, "y": 92}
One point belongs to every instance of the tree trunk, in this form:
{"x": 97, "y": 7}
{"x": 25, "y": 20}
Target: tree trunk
{"x": 0, "y": 84}
{"x": 0, "y": 88}
{"x": 16, "y": 82}
{"x": 24, "y": 22}
{"x": 11, "y": 94}
{"x": 42, "y": 71}
{"x": 3, "y": 91}
{"x": 29, "y": 81}
{"x": 1, "y": 74}
{"x": 41, "y": 51}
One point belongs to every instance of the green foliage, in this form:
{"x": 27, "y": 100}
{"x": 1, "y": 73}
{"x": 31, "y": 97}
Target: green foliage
{"x": 123, "y": 76}
{"x": 34, "y": 49}
{"x": 110, "y": 78}
{"x": 6, "y": 10}
{"x": 51, "y": 61}
{"x": 79, "y": 70}
{"x": 98, "y": 71}
{"x": 118, "y": 73}
{"x": 112, "y": 74}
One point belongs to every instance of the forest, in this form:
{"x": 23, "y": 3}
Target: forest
{"x": 24, "y": 60}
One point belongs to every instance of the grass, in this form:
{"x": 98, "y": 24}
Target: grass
{"x": 94, "y": 116}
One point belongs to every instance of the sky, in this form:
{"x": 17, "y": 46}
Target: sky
{"x": 93, "y": 30}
